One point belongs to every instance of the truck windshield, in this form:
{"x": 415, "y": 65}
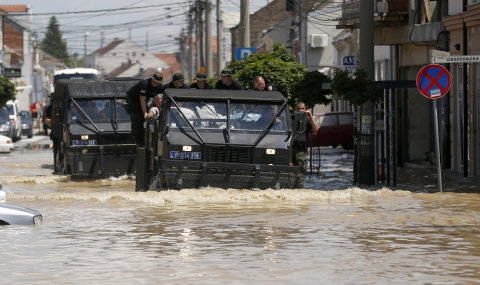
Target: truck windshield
{"x": 213, "y": 115}
{"x": 97, "y": 110}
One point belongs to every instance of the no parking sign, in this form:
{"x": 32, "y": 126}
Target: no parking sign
{"x": 433, "y": 81}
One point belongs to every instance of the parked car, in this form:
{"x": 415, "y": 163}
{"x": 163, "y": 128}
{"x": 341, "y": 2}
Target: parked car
{"x": 334, "y": 129}
{"x": 6, "y": 144}
{"x": 13, "y": 108}
{"x": 14, "y": 215}
{"x": 6, "y": 127}
{"x": 27, "y": 124}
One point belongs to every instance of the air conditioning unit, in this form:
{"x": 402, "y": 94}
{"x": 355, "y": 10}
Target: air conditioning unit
{"x": 318, "y": 40}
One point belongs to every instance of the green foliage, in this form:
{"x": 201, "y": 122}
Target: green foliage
{"x": 70, "y": 60}
{"x": 278, "y": 67}
{"x": 7, "y": 91}
{"x": 357, "y": 90}
{"x": 212, "y": 80}
{"x": 53, "y": 42}
{"x": 310, "y": 91}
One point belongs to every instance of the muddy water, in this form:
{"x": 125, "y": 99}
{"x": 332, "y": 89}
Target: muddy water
{"x": 102, "y": 232}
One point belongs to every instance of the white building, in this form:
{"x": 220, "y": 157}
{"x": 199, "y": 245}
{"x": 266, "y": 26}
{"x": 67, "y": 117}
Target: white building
{"x": 118, "y": 52}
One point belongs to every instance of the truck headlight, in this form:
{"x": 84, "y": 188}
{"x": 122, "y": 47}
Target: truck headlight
{"x": 270, "y": 151}
{"x": 84, "y": 137}
{"x": 187, "y": 148}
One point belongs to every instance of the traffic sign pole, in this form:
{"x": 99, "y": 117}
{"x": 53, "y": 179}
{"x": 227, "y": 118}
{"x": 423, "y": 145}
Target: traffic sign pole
{"x": 437, "y": 146}
{"x": 433, "y": 82}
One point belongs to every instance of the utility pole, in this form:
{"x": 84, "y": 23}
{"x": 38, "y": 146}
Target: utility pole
{"x": 366, "y": 162}
{"x": 199, "y": 31}
{"x": 245, "y": 22}
{"x": 219, "y": 38}
{"x": 146, "y": 40}
{"x": 85, "y": 46}
{"x": 208, "y": 38}
{"x": 190, "y": 45}
{"x": 75, "y": 56}
{"x": 182, "y": 51}
{"x": 465, "y": 95}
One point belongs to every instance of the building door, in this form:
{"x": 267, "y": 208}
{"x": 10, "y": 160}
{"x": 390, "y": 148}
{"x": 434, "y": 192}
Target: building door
{"x": 459, "y": 148}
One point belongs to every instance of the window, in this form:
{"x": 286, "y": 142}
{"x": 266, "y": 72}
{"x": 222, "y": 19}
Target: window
{"x": 327, "y": 121}
{"x": 345, "y": 119}
{"x": 213, "y": 115}
{"x": 133, "y": 54}
{"x": 97, "y": 109}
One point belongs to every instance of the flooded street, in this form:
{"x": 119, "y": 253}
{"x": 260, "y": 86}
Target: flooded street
{"x": 103, "y": 232}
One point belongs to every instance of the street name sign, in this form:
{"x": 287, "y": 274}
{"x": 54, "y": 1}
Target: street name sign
{"x": 243, "y": 52}
{"x": 440, "y": 54}
{"x": 433, "y": 81}
{"x": 348, "y": 63}
{"x": 458, "y": 59}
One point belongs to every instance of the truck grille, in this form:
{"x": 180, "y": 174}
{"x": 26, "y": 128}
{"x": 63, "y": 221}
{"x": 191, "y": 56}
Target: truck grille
{"x": 229, "y": 154}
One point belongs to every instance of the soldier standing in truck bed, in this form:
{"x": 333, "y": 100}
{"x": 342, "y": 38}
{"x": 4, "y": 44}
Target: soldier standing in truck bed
{"x": 137, "y": 98}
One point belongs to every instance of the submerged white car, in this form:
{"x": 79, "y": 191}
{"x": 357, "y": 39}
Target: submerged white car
{"x": 14, "y": 215}
{"x": 6, "y": 144}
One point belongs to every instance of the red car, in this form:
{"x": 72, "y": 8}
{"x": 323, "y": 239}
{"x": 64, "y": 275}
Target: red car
{"x": 334, "y": 128}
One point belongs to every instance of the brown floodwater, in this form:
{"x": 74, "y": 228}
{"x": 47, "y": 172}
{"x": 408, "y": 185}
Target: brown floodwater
{"x": 103, "y": 232}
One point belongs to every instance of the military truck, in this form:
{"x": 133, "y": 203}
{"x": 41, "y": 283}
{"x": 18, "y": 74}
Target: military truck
{"x": 91, "y": 128}
{"x": 218, "y": 138}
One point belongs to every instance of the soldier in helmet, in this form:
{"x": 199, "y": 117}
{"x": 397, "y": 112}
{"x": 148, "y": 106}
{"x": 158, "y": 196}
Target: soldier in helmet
{"x": 201, "y": 82}
{"x": 137, "y": 98}
{"x": 177, "y": 81}
{"x": 226, "y": 81}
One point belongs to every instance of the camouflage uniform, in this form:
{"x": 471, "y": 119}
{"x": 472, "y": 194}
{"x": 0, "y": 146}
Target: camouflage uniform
{"x": 300, "y": 158}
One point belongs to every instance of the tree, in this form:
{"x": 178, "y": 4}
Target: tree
{"x": 7, "y": 91}
{"x": 277, "y": 67}
{"x": 53, "y": 42}
{"x": 358, "y": 90}
{"x": 309, "y": 89}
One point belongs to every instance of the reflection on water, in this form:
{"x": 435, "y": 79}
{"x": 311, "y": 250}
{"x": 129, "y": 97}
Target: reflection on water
{"x": 101, "y": 231}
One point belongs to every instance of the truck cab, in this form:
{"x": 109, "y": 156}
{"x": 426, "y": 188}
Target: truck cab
{"x": 91, "y": 128}
{"x": 218, "y": 138}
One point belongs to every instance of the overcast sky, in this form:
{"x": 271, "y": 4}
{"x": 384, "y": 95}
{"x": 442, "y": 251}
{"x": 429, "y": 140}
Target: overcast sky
{"x": 124, "y": 19}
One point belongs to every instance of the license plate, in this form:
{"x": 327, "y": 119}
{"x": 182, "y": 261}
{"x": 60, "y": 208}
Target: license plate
{"x": 84, "y": 142}
{"x": 185, "y": 155}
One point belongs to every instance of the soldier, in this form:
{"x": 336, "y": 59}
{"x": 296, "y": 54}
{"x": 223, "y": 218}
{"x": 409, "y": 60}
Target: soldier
{"x": 137, "y": 98}
{"x": 260, "y": 84}
{"x": 299, "y": 149}
{"x": 226, "y": 81}
{"x": 201, "y": 82}
{"x": 177, "y": 82}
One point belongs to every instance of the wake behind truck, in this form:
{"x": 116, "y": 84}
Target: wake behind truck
{"x": 218, "y": 138}
{"x": 91, "y": 128}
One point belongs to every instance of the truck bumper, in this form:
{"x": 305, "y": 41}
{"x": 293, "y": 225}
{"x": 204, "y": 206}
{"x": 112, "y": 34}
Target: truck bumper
{"x": 181, "y": 174}
{"x": 101, "y": 161}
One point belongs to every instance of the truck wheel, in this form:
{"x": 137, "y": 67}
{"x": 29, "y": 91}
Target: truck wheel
{"x": 349, "y": 144}
{"x": 58, "y": 158}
